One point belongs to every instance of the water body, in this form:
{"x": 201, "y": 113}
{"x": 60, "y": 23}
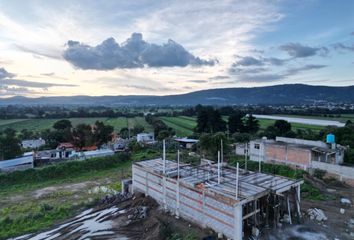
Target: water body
{"x": 309, "y": 121}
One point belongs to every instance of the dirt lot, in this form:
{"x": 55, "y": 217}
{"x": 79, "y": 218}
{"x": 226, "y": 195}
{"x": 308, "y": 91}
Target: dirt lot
{"x": 123, "y": 217}
{"x": 338, "y": 225}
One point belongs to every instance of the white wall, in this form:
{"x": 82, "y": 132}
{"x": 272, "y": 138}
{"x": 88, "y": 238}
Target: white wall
{"x": 341, "y": 171}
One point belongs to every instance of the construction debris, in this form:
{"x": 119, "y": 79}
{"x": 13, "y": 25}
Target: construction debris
{"x": 345, "y": 201}
{"x": 316, "y": 214}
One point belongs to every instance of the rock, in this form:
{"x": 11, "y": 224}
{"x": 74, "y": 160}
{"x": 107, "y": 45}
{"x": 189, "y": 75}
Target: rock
{"x": 316, "y": 214}
{"x": 345, "y": 201}
{"x": 342, "y": 210}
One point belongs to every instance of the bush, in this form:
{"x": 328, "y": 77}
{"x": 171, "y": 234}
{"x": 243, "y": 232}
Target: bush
{"x": 319, "y": 173}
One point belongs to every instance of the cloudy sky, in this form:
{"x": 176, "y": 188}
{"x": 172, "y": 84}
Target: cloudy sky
{"x": 110, "y": 47}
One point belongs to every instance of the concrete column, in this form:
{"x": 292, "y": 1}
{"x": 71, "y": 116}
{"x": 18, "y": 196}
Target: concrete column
{"x": 164, "y": 193}
{"x": 133, "y": 181}
{"x": 147, "y": 183}
{"x": 238, "y": 228}
{"x": 177, "y": 200}
{"x": 203, "y": 209}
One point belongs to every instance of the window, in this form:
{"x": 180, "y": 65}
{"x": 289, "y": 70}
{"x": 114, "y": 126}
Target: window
{"x": 257, "y": 146}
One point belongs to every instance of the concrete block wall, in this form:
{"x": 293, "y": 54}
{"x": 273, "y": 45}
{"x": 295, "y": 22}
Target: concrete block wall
{"x": 342, "y": 173}
{"x": 288, "y": 155}
{"x": 195, "y": 205}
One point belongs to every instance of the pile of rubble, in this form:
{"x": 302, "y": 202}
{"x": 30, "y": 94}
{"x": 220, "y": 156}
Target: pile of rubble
{"x": 316, "y": 214}
{"x": 137, "y": 213}
{"x": 115, "y": 199}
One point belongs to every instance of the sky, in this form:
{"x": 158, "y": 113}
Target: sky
{"x": 89, "y": 47}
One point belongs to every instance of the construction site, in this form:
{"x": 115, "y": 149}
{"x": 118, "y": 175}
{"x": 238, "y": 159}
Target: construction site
{"x": 234, "y": 202}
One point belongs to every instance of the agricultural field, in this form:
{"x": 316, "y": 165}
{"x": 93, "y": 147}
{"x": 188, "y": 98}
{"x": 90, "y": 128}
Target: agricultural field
{"x": 183, "y": 125}
{"x": 42, "y": 124}
{"x": 264, "y": 123}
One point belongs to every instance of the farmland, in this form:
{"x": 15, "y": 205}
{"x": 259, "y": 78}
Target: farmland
{"x": 183, "y": 125}
{"x": 41, "y": 124}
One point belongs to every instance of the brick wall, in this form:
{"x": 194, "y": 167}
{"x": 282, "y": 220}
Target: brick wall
{"x": 288, "y": 155}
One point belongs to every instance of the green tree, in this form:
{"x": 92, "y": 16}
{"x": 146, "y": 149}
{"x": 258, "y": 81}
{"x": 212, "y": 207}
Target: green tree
{"x": 9, "y": 144}
{"x": 241, "y": 137}
{"x": 209, "y": 144}
{"x": 138, "y": 129}
{"x": 209, "y": 120}
{"x": 124, "y": 133}
{"x": 63, "y": 124}
{"x": 251, "y": 124}
{"x": 102, "y": 133}
{"x": 26, "y": 134}
{"x": 282, "y": 127}
{"x": 83, "y": 136}
{"x": 235, "y": 122}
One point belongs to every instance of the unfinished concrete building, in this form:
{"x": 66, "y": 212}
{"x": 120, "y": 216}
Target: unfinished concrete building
{"x": 229, "y": 200}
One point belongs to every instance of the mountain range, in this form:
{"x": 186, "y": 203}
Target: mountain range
{"x": 270, "y": 95}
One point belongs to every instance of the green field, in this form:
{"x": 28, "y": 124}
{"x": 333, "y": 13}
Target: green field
{"x": 41, "y": 124}
{"x": 264, "y": 123}
{"x": 183, "y": 125}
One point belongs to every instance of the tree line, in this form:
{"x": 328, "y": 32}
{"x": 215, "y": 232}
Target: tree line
{"x": 82, "y": 135}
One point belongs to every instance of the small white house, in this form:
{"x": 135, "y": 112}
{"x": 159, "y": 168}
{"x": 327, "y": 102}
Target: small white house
{"x": 32, "y": 143}
{"x": 145, "y": 138}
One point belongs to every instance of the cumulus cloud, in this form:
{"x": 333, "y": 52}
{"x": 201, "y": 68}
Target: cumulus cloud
{"x": 298, "y": 50}
{"x": 133, "y": 53}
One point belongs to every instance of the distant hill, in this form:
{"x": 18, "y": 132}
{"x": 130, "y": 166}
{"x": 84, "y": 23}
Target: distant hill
{"x": 278, "y": 94}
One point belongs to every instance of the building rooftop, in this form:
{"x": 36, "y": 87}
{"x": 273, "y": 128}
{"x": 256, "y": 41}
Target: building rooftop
{"x": 251, "y": 185}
